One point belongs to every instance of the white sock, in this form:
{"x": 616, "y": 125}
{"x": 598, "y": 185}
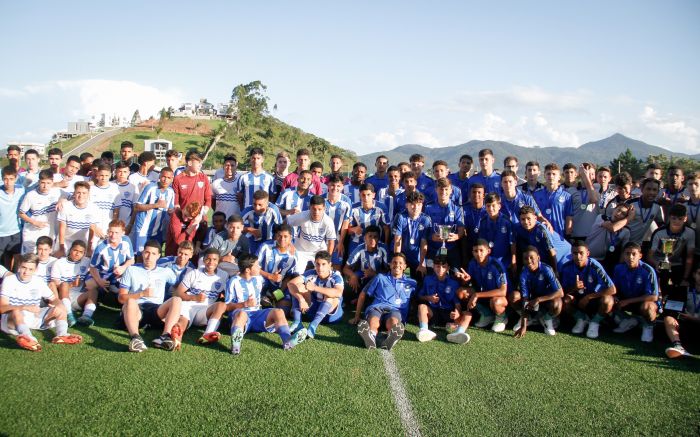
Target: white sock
{"x": 212, "y": 325}
{"x": 61, "y": 328}
{"x": 67, "y": 304}
{"x": 89, "y": 309}
{"x": 23, "y": 329}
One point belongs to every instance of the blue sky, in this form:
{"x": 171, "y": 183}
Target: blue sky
{"x": 367, "y": 75}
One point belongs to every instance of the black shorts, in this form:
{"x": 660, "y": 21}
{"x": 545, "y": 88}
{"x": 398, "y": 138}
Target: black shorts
{"x": 10, "y": 244}
{"x": 149, "y": 316}
{"x": 590, "y": 309}
{"x": 441, "y": 317}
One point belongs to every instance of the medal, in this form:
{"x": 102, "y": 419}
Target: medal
{"x": 693, "y": 225}
{"x": 611, "y": 248}
{"x": 491, "y": 244}
{"x": 548, "y": 211}
{"x": 583, "y": 207}
{"x": 413, "y": 241}
{"x": 476, "y": 230}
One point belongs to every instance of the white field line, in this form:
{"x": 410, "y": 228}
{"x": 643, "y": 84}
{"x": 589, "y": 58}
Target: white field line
{"x": 398, "y": 391}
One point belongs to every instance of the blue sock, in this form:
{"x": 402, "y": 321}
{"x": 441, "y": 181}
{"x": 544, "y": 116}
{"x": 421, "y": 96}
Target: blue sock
{"x": 296, "y": 312}
{"x": 461, "y": 329}
{"x": 423, "y": 325}
{"x": 322, "y": 312}
{"x": 284, "y": 333}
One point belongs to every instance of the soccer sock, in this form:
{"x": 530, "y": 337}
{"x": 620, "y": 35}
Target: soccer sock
{"x": 296, "y": 312}
{"x": 579, "y": 315}
{"x": 547, "y": 316}
{"x": 67, "y": 304}
{"x": 322, "y": 312}
{"x": 597, "y": 318}
{"x": 212, "y": 325}
{"x": 23, "y": 329}
{"x": 89, "y": 309}
{"x": 461, "y": 329}
{"x": 61, "y": 328}
{"x": 284, "y": 333}
{"x": 423, "y": 325}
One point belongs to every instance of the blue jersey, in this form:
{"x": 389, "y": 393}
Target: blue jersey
{"x": 338, "y": 212}
{"x": 556, "y": 206}
{"x": 154, "y": 221}
{"x": 445, "y": 289}
{"x": 291, "y": 199}
{"x": 541, "y": 282}
{"x": 273, "y": 261}
{"x": 105, "y": 257}
{"x": 450, "y": 214}
{"x": 499, "y": 234}
{"x": 491, "y": 183}
{"x": 412, "y": 232}
{"x": 400, "y": 202}
{"x": 249, "y": 183}
{"x": 593, "y": 275}
{"x": 511, "y": 208}
{"x": 641, "y": 281}
{"x": 265, "y": 222}
{"x": 239, "y": 290}
{"x": 389, "y": 203}
{"x": 9, "y": 205}
{"x": 334, "y": 279}
{"x": 543, "y": 240}
{"x": 472, "y": 221}
{"x": 391, "y": 293}
{"x": 352, "y": 192}
{"x": 378, "y": 182}
{"x": 171, "y": 263}
{"x": 487, "y": 277}
{"x": 361, "y": 259}
{"x": 426, "y": 185}
{"x": 364, "y": 218}
{"x": 137, "y": 278}
{"x": 461, "y": 185}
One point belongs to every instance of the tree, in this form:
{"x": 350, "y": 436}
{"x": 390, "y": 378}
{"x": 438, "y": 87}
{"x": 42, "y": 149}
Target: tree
{"x": 102, "y": 121}
{"x": 626, "y": 161}
{"x": 158, "y": 129}
{"x": 320, "y": 147}
{"x": 250, "y": 103}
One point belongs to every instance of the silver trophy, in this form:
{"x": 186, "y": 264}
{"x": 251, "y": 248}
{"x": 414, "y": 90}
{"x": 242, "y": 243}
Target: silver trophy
{"x": 667, "y": 245}
{"x": 444, "y": 236}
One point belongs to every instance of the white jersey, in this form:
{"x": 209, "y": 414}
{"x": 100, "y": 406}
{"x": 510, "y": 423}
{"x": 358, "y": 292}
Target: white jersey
{"x": 40, "y": 207}
{"x": 312, "y": 235}
{"x": 67, "y": 192}
{"x": 43, "y": 269}
{"x": 65, "y": 270}
{"x": 105, "y": 201}
{"x": 140, "y": 181}
{"x": 25, "y": 293}
{"x": 78, "y": 221}
{"x": 198, "y": 281}
{"x": 225, "y": 193}
{"x": 125, "y": 201}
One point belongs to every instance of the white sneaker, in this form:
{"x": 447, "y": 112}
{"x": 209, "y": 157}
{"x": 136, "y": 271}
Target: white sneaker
{"x": 625, "y": 325}
{"x": 458, "y": 337}
{"x": 580, "y": 326}
{"x": 499, "y": 325}
{"x": 548, "y": 325}
{"x": 648, "y": 334}
{"x": 425, "y": 335}
{"x": 484, "y": 321}
{"x": 676, "y": 351}
{"x": 593, "y": 328}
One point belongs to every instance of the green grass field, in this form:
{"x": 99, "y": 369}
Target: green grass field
{"x": 495, "y": 385}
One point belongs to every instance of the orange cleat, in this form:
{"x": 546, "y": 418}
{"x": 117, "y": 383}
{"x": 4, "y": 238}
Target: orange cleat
{"x": 176, "y": 335}
{"x": 28, "y": 343}
{"x": 67, "y": 339}
{"x": 209, "y": 338}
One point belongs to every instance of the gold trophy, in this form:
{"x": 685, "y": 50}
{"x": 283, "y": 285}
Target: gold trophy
{"x": 444, "y": 236}
{"x": 667, "y": 245}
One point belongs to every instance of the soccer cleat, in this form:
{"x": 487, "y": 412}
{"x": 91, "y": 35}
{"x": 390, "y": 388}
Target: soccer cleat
{"x": 297, "y": 338}
{"x": 176, "y": 335}
{"x": 67, "y": 339}
{"x": 236, "y": 339}
{"x": 648, "y": 334}
{"x": 499, "y": 324}
{"x": 425, "y": 335}
{"x": 209, "y": 338}
{"x": 393, "y": 337}
{"x": 294, "y": 327}
{"x": 676, "y": 351}
{"x": 548, "y": 325}
{"x": 625, "y": 325}
{"x": 85, "y": 320}
{"x": 137, "y": 345}
{"x": 484, "y": 321}
{"x": 580, "y": 326}
{"x": 366, "y": 334}
{"x": 28, "y": 343}
{"x": 165, "y": 342}
{"x": 593, "y": 328}
{"x": 311, "y": 333}
{"x": 458, "y": 337}
{"x": 70, "y": 318}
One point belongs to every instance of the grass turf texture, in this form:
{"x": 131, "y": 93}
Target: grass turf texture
{"x": 495, "y": 385}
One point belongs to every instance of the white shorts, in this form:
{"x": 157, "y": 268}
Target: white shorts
{"x": 303, "y": 259}
{"x": 33, "y": 321}
{"x": 195, "y": 312}
{"x": 73, "y": 295}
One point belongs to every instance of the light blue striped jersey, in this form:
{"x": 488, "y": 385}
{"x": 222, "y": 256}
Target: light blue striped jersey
{"x": 361, "y": 259}
{"x": 265, "y": 221}
{"x": 153, "y": 222}
{"x": 334, "y": 279}
{"x": 273, "y": 261}
{"x": 291, "y": 199}
{"x": 338, "y": 212}
{"x": 363, "y": 218}
{"x": 225, "y": 192}
{"x": 389, "y": 202}
{"x": 125, "y": 201}
{"x": 249, "y": 183}
{"x": 239, "y": 290}
{"x": 105, "y": 257}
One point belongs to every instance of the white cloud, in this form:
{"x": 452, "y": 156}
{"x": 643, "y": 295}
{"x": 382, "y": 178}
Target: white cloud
{"x": 669, "y": 125}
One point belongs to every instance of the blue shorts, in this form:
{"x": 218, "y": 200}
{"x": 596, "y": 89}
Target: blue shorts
{"x": 332, "y": 317}
{"x": 336, "y": 259}
{"x": 256, "y": 320}
{"x": 383, "y": 313}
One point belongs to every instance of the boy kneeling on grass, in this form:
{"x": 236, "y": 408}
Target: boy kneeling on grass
{"x": 439, "y": 303}
{"x": 689, "y": 317}
{"x": 20, "y": 298}
{"x": 68, "y": 277}
{"x": 243, "y": 300}
{"x": 392, "y": 294}
{"x": 318, "y": 294}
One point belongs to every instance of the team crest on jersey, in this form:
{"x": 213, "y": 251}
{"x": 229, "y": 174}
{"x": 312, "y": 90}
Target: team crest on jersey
{"x": 421, "y": 227}
{"x": 127, "y": 194}
{"x": 562, "y": 200}
{"x": 639, "y": 280}
{"x": 503, "y": 230}
{"x": 200, "y": 184}
{"x": 448, "y": 290}
{"x": 217, "y": 284}
{"x": 537, "y": 238}
{"x": 590, "y": 279}
{"x": 83, "y": 269}
{"x": 452, "y": 215}
{"x": 540, "y": 277}
{"x": 489, "y": 276}
{"x": 183, "y": 186}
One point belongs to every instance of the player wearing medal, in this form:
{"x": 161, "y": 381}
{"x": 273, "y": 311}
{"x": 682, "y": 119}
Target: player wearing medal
{"x": 440, "y": 305}
{"x": 497, "y": 229}
{"x": 555, "y": 202}
{"x": 445, "y": 212}
{"x": 366, "y": 260}
{"x": 411, "y": 230}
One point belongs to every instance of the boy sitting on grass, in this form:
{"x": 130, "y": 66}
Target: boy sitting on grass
{"x": 439, "y": 303}
{"x": 689, "y": 318}
{"x": 368, "y": 259}
{"x": 278, "y": 265}
{"x": 318, "y": 294}
{"x": 243, "y": 300}
{"x": 20, "y": 301}
{"x": 392, "y": 294}
{"x": 68, "y": 277}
